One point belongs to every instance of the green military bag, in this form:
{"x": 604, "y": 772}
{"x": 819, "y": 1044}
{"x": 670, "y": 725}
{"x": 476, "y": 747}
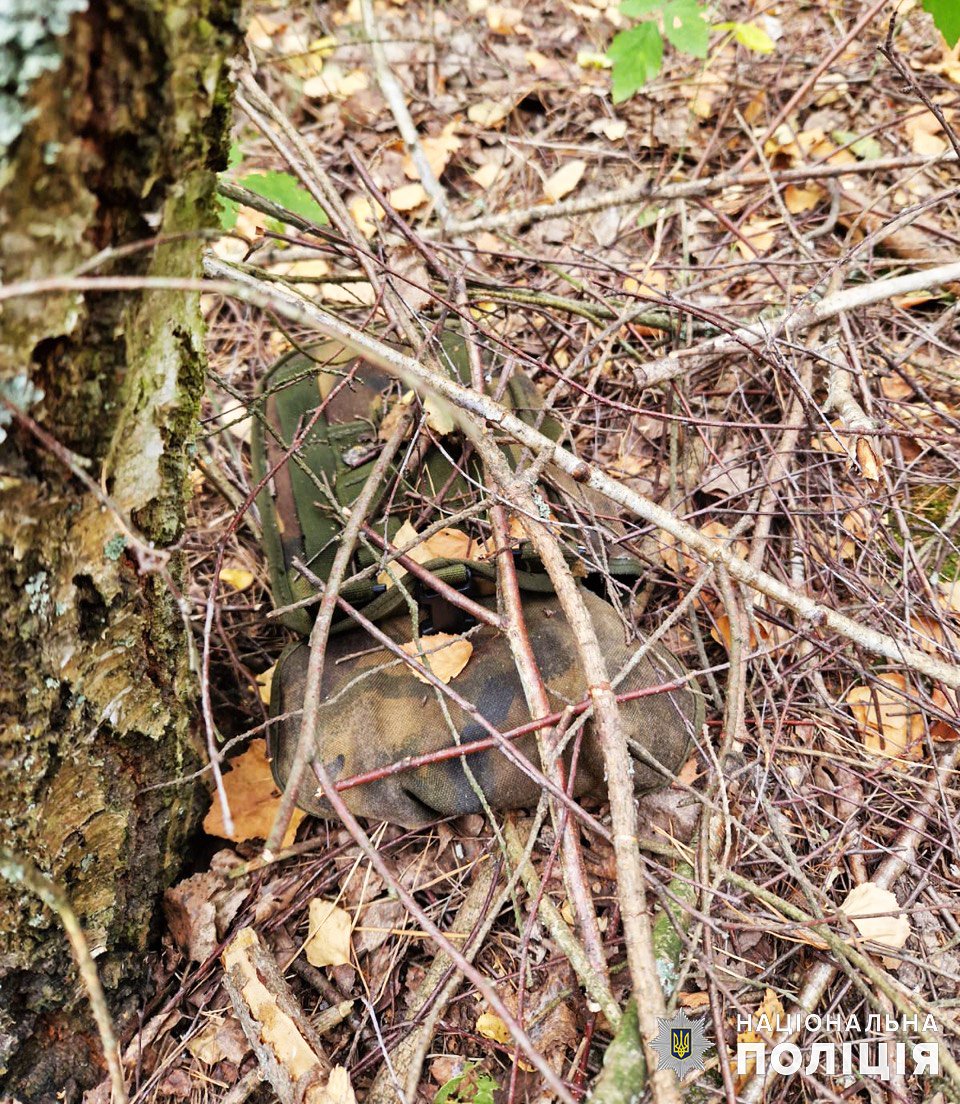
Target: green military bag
{"x": 375, "y": 711}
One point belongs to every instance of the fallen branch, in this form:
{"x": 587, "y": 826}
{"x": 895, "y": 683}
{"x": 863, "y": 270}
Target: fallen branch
{"x": 642, "y": 191}
{"x": 287, "y": 1046}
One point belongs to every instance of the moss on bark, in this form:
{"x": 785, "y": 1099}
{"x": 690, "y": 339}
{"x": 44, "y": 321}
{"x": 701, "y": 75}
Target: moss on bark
{"x": 96, "y": 698}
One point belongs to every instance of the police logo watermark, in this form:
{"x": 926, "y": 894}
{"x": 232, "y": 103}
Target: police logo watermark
{"x": 680, "y": 1045}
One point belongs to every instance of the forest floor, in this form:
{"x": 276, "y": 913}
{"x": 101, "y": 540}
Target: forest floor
{"x": 826, "y": 455}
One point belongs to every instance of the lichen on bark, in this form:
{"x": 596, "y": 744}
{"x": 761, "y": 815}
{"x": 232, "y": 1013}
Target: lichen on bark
{"x": 96, "y": 696}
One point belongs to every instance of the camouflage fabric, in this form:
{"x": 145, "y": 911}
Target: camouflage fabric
{"x": 375, "y": 711}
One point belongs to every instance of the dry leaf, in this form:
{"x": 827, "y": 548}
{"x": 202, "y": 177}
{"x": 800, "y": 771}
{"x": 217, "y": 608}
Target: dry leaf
{"x": 238, "y": 578}
{"x": 219, "y": 1040}
{"x": 261, "y": 30}
{"x": 439, "y": 415}
{"x": 613, "y": 129}
{"x": 548, "y": 68}
{"x": 450, "y": 543}
{"x": 925, "y": 134}
{"x": 443, "y": 654}
{"x": 438, "y": 149}
{"x": 265, "y": 682}
{"x": 492, "y": 1027}
{"x": 503, "y": 20}
{"x": 253, "y": 797}
{"x": 797, "y": 199}
{"x": 191, "y": 914}
{"x": 328, "y": 941}
{"x": 757, "y": 236}
{"x": 889, "y": 725}
{"x": 408, "y": 197}
{"x": 863, "y": 904}
{"x": 940, "y": 730}
{"x": 771, "y": 1012}
{"x": 564, "y": 180}
{"x": 870, "y": 461}
{"x": 486, "y": 174}
{"x": 356, "y": 294}
{"x": 489, "y": 113}
{"x": 693, "y": 1000}
{"x": 365, "y": 215}
{"x": 392, "y": 417}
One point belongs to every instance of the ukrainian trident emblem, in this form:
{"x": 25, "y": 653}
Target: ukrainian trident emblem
{"x": 681, "y": 1044}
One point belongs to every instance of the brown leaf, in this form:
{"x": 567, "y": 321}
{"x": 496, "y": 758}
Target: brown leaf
{"x": 192, "y": 915}
{"x": 889, "y": 725}
{"x": 865, "y": 904}
{"x": 253, "y": 798}
{"x": 564, "y": 180}
{"x": 328, "y": 941}
{"x": 444, "y": 654}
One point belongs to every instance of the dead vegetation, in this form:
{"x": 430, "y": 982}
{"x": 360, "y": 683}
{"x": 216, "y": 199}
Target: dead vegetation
{"x": 618, "y": 254}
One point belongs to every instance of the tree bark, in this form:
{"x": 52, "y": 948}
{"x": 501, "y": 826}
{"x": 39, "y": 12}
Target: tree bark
{"x": 116, "y": 141}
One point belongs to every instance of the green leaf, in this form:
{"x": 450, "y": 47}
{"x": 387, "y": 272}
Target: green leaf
{"x": 751, "y": 35}
{"x": 235, "y": 156}
{"x": 685, "y": 27}
{"x": 867, "y": 149}
{"x": 473, "y": 1086}
{"x": 228, "y": 210}
{"x": 946, "y": 16}
{"x": 285, "y": 189}
{"x": 637, "y": 55}
{"x": 633, "y": 9}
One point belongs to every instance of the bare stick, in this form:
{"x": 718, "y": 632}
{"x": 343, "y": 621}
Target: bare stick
{"x": 18, "y": 871}
{"x": 643, "y": 192}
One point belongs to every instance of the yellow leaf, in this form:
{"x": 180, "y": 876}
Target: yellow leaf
{"x": 486, "y": 174}
{"x": 865, "y": 904}
{"x": 239, "y": 578}
{"x": 408, "y": 197}
{"x": 308, "y": 268}
{"x": 449, "y": 543}
{"x": 503, "y": 20}
{"x": 489, "y": 113}
{"x": 889, "y": 725}
{"x": 253, "y": 797}
{"x": 798, "y": 200}
{"x": 613, "y": 129}
{"x": 261, "y": 29}
{"x": 492, "y": 1027}
{"x": 438, "y": 149}
{"x": 564, "y": 180}
{"x": 265, "y": 682}
{"x": 757, "y": 237}
{"x": 590, "y": 59}
{"x": 328, "y": 939}
{"x": 365, "y": 215}
{"x": 439, "y": 415}
{"x": 443, "y": 654}
{"x": 770, "y": 1013}
{"x": 925, "y": 134}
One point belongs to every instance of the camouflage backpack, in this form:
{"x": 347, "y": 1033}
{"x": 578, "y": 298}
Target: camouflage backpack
{"x": 375, "y": 710}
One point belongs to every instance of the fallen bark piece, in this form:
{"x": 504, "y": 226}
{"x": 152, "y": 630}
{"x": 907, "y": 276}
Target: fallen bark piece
{"x": 287, "y": 1046}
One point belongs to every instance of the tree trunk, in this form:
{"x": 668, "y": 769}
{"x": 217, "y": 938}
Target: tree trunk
{"x": 113, "y": 136}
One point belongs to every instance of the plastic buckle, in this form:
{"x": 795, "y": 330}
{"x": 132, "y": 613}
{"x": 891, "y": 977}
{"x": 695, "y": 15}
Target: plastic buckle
{"x": 441, "y": 615}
